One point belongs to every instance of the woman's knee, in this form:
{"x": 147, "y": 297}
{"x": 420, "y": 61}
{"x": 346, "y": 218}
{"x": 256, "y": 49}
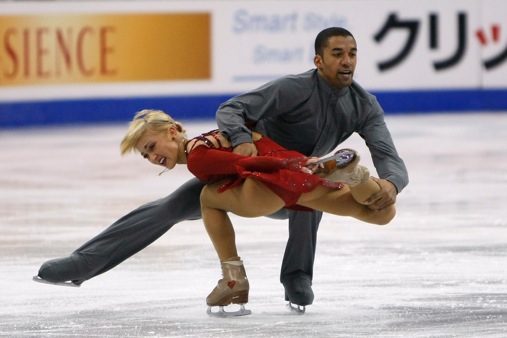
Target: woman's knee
{"x": 384, "y": 216}
{"x": 206, "y": 196}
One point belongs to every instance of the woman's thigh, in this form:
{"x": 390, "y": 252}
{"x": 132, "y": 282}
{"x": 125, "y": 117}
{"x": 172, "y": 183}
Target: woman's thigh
{"x": 251, "y": 198}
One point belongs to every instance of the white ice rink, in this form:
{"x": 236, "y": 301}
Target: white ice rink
{"x": 438, "y": 270}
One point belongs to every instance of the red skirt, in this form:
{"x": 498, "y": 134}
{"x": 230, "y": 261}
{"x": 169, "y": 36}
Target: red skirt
{"x": 278, "y": 168}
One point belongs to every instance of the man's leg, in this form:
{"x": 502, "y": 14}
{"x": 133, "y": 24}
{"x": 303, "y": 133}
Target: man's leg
{"x": 127, "y": 236}
{"x": 297, "y": 266}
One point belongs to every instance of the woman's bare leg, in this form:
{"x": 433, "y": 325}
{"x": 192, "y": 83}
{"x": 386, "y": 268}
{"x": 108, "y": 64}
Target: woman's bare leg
{"x": 221, "y": 232}
{"x": 249, "y": 199}
{"x": 364, "y": 190}
{"x": 348, "y": 201}
{"x": 233, "y": 287}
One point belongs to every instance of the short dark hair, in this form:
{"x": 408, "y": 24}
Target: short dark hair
{"x": 323, "y": 37}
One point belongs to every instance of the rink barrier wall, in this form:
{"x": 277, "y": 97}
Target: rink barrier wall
{"x": 203, "y": 107}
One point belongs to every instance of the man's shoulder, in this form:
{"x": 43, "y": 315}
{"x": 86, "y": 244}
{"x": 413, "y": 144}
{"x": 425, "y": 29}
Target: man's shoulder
{"x": 357, "y": 89}
{"x": 362, "y": 94}
{"x": 307, "y": 78}
{"x": 294, "y": 85}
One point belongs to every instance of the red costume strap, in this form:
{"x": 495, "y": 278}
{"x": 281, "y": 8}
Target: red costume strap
{"x": 203, "y": 137}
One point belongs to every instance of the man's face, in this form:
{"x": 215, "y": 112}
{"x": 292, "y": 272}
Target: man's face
{"x": 338, "y": 62}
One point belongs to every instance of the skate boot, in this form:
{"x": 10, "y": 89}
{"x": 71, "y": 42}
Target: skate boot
{"x": 59, "y": 271}
{"x": 343, "y": 167}
{"x": 231, "y": 289}
{"x": 298, "y": 292}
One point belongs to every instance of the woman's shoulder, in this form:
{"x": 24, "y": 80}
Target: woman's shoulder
{"x": 212, "y": 139}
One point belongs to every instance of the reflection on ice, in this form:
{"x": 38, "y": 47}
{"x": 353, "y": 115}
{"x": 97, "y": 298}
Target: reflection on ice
{"x": 437, "y": 270}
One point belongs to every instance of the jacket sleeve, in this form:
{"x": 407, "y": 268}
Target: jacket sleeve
{"x": 385, "y": 157}
{"x": 238, "y": 115}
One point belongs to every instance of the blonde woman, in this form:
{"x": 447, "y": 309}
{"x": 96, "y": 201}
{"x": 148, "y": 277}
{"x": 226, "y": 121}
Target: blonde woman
{"x": 252, "y": 187}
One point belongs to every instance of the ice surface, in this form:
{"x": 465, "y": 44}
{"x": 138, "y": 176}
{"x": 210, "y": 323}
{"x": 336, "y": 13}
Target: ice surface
{"x": 438, "y": 270}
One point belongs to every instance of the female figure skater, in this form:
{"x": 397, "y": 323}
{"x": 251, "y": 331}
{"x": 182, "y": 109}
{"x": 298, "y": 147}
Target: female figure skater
{"x": 252, "y": 187}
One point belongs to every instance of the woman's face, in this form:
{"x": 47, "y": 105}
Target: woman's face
{"x": 160, "y": 148}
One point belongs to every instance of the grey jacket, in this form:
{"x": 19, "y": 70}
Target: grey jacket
{"x": 305, "y": 113}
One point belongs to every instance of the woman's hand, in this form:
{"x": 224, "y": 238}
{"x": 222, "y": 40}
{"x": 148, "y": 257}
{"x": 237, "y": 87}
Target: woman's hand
{"x": 308, "y": 168}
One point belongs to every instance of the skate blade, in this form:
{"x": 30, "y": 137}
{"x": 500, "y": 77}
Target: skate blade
{"x": 299, "y": 310}
{"x": 342, "y": 158}
{"x": 43, "y": 281}
{"x": 221, "y": 313}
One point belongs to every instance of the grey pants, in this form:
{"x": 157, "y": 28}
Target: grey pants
{"x": 141, "y": 227}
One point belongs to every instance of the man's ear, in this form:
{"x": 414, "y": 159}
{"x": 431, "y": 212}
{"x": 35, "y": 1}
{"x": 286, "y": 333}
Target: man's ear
{"x": 317, "y": 61}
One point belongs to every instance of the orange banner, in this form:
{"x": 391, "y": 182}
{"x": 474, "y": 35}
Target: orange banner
{"x": 55, "y": 49}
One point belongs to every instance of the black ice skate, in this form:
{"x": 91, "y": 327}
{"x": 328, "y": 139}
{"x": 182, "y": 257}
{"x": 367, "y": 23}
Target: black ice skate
{"x": 59, "y": 271}
{"x": 299, "y": 293}
{"x": 64, "y": 283}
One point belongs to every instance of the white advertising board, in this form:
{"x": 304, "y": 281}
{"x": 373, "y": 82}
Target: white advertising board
{"x": 403, "y": 45}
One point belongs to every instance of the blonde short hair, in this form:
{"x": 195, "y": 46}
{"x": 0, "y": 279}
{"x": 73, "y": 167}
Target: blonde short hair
{"x": 147, "y": 119}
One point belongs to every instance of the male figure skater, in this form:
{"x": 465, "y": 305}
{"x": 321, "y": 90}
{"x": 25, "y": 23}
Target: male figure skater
{"x": 312, "y": 113}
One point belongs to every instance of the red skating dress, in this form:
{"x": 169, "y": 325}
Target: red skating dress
{"x": 275, "y": 166}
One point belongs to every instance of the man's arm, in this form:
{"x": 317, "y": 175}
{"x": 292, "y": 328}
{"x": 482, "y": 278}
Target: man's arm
{"x": 390, "y": 167}
{"x": 385, "y": 157}
{"x": 236, "y": 117}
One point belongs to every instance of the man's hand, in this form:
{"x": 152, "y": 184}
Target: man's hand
{"x": 245, "y": 149}
{"x": 385, "y": 197}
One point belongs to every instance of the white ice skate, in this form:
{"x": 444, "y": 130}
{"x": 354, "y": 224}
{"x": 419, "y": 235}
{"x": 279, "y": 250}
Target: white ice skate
{"x": 231, "y": 289}
{"x": 341, "y": 158}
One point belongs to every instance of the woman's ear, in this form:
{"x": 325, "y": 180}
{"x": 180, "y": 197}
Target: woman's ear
{"x": 172, "y": 132}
